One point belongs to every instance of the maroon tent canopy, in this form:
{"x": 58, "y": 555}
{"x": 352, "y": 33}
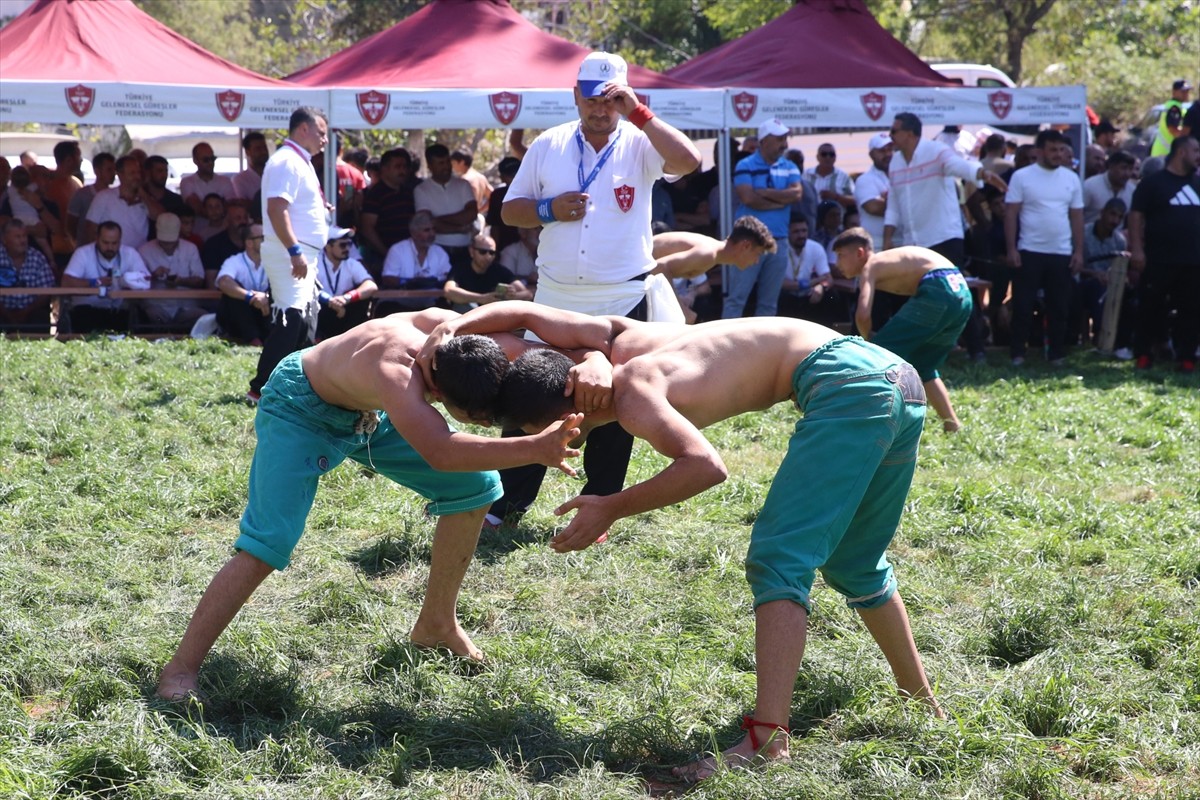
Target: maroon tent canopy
{"x": 817, "y": 44}
{"x": 458, "y": 44}
{"x": 109, "y": 40}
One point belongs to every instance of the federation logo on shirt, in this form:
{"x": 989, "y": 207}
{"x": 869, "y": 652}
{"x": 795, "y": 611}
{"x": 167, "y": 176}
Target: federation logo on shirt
{"x": 624, "y": 197}
{"x": 744, "y": 105}
{"x": 80, "y": 99}
{"x": 1001, "y": 103}
{"x": 373, "y": 105}
{"x": 230, "y": 104}
{"x": 505, "y": 106}
{"x": 874, "y": 104}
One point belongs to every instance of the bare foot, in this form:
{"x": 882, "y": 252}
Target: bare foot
{"x": 740, "y": 755}
{"x": 453, "y": 639}
{"x": 951, "y": 426}
{"x": 177, "y": 685}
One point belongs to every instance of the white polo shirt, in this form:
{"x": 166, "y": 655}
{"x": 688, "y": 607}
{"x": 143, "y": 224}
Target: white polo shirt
{"x": 441, "y": 199}
{"x": 127, "y": 270}
{"x": 871, "y": 185}
{"x": 401, "y": 262}
{"x": 612, "y": 243}
{"x": 517, "y": 259}
{"x": 807, "y": 266}
{"x": 195, "y": 185}
{"x": 1045, "y": 195}
{"x": 346, "y": 277}
{"x": 289, "y": 174}
{"x": 250, "y": 276}
{"x": 183, "y": 263}
{"x": 133, "y": 219}
{"x": 923, "y": 200}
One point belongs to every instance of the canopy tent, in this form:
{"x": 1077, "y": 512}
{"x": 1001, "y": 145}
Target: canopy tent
{"x": 476, "y": 64}
{"x": 828, "y": 63}
{"x": 106, "y": 62}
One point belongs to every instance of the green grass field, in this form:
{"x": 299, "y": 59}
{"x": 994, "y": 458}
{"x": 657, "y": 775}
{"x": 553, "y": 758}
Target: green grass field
{"x": 1050, "y": 559}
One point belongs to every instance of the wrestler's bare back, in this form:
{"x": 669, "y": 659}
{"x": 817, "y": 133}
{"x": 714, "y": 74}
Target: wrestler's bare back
{"x": 716, "y": 370}
{"x": 900, "y": 269}
{"x": 372, "y": 365}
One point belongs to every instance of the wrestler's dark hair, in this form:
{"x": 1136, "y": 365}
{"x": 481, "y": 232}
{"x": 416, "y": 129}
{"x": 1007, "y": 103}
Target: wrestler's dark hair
{"x": 532, "y": 392}
{"x": 751, "y": 229}
{"x": 469, "y": 372}
{"x": 853, "y": 237}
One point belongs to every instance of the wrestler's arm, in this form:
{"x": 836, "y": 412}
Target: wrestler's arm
{"x": 695, "y": 466}
{"x": 866, "y": 299}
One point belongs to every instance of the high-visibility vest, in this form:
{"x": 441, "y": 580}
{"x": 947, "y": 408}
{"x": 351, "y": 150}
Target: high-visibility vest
{"x": 1162, "y": 141}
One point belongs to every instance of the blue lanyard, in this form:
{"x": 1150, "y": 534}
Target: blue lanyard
{"x": 115, "y": 263}
{"x": 334, "y": 276}
{"x": 600, "y": 162}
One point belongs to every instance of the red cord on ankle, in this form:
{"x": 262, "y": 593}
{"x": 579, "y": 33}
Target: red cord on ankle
{"x": 749, "y": 723}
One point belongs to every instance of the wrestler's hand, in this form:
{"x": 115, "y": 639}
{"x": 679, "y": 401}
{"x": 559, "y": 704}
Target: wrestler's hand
{"x": 591, "y": 383}
{"x": 553, "y": 444}
{"x": 569, "y": 206}
{"x": 592, "y": 520}
{"x": 443, "y": 333}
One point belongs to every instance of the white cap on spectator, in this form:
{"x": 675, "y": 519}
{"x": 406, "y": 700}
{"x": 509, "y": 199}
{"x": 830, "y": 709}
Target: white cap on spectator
{"x": 600, "y": 69}
{"x": 336, "y": 233}
{"x": 166, "y": 228}
{"x": 772, "y": 127}
{"x": 879, "y": 141}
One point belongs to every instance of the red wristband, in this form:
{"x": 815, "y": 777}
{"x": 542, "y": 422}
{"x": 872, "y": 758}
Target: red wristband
{"x": 354, "y": 296}
{"x": 641, "y": 115}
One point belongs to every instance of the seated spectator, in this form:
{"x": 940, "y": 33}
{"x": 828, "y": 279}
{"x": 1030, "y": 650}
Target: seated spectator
{"x": 662, "y": 208}
{"x": 451, "y": 201}
{"x": 1116, "y": 181}
{"x": 104, "y": 264}
{"x": 688, "y": 291}
{"x": 1102, "y": 241}
{"x": 21, "y": 265}
{"x": 829, "y": 225}
{"x": 387, "y": 208}
{"x": 690, "y": 211}
{"x": 187, "y": 229}
{"x": 173, "y": 264}
{"x": 217, "y": 249}
{"x": 247, "y": 182}
{"x": 414, "y": 263}
{"x": 105, "y": 167}
{"x": 520, "y": 257}
{"x": 204, "y": 181}
{"x": 483, "y": 280}
{"x": 346, "y": 286}
{"x": 214, "y": 222}
{"x": 25, "y": 200}
{"x": 460, "y": 162}
{"x": 124, "y": 205}
{"x": 497, "y": 228}
{"x": 244, "y": 313}
{"x": 808, "y": 291}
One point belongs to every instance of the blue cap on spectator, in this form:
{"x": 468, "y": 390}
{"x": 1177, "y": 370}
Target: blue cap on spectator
{"x": 600, "y": 69}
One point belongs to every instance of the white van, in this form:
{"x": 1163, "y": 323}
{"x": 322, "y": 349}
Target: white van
{"x": 984, "y": 75}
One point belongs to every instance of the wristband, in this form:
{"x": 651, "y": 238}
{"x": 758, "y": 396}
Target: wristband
{"x": 545, "y": 212}
{"x": 323, "y": 297}
{"x": 295, "y": 250}
{"x": 249, "y": 297}
{"x": 640, "y": 115}
{"x": 353, "y": 297}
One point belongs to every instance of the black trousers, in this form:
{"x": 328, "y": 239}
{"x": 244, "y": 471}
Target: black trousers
{"x": 329, "y": 324}
{"x": 1164, "y": 289}
{"x": 605, "y": 461}
{"x": 1051, "y": 274}
{"x": 289, "y": 333}
{"x": 88, "y": 319}
{"x": 242, "y": 322}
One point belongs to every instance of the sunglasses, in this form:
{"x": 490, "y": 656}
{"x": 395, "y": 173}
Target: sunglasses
{"x": 485, "y": 252}
{"x": 342, "y": 244}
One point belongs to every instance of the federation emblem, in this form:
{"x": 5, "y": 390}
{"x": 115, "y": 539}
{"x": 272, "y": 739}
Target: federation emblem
{"x": 744, "y": 105}
{"x": 230, "y": 104}
{"x": 373, "y": 105}
{"x": 505, "y": 106}
{"x": 624, "y": 197}
{"x": 1001, "y": 103}
{"x": 644, "y": 99}
{"x": 80, "y": 99}
{"x": 874, "y": 104}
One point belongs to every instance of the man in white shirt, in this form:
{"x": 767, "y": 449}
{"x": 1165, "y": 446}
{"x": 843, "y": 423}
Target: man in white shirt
{"x": 244, "y": 313}
{"x": 589, "y": 183}
{"x": 520, "y": 257}
{"x": 808, "y": 291}
{"x": 346, "y": 288}
{"x": 451, "y": 201}
{"x": 173, "y": 264}
{"x": 831, "y": 183}
{"x": 128, "y": 205}
{"x": 295, "y": 224}
{"x": 1045, "y": 205}
{"x": 104, "y": 264}
{"x": 247, "y": 182}
{"x": 871, "y": 188}
{"x": 1115, "y": 181}
{"x": 204, "y": 181}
